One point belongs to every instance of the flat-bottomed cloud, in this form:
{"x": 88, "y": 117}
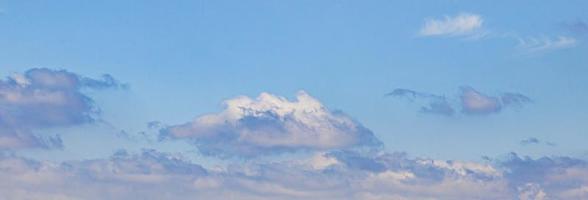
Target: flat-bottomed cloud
{"x": 272, "y": 124}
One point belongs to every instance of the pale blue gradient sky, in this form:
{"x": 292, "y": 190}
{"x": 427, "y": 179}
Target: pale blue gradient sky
{"x": 183, "y": 59}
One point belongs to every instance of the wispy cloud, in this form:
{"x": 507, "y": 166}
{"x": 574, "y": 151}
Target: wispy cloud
{"x": 435, "y": 104}
{"x": 533, "y": 140}
{"x": 542, "y": 44}
{"x": 471, "y": 101}
{"x": 471, "y": 26}
{"x": 530, "y": 140}
{"x": 460, "y": 25}
{"x": 579, "y": 27}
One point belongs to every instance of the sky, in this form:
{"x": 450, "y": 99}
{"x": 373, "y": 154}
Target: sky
{"x": 265, "y": 99}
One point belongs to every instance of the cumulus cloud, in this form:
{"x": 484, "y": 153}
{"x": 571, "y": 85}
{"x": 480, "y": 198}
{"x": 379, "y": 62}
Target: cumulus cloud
{"x": 556, "y": 177}
{"x": 471, "y": 101}
{"x": 542, "y": 44}
{"x": 45, "y": 98}
{"x": 341, "y": 175}
{"x": 272, "y": 124}
{"x": 460, "y": 25}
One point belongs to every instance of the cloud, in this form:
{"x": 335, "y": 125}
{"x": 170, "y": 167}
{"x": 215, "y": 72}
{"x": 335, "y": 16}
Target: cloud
{"x": 579, "y": 27}
{"x": 532, "y": 141}
{"x": 345, "y": 175}
{"x": 471, "y": 26}
{"x": 474, "y": 102}
{"x": 542, "y": 44}
{"x": 435, "y": 104}
{"x": 557, "y": 177}
{"x": 461, "y": 25}
{"x": 271, "y": 125}
{"x": 44, "y": 98}
{"x": 514, "y": 99}
{"x": 471, "y": 102}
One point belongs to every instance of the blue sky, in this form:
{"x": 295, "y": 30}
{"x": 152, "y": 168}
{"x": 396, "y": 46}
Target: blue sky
{"x": 182, "y": 59}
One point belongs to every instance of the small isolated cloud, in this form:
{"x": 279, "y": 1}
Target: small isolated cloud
{"x": 471, "y": 102}
{"x": 272, "y": 124}
{"x": 542, "y": 44}
{"x": 45, "y": 98}
{"x": 461, "y": 25}
{"x": 579, "y": 27}
{"x": 530, "y": 140}
{"x": 533, "y": 140}
{"x": 434, "y": 104}
{"x": 514, "y": 99}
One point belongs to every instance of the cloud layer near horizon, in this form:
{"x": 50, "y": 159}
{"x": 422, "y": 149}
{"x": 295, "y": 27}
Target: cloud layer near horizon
{"x": 272, "y": 124}
{"x": 335, "y": 175}
{"x": 45, "y": 98}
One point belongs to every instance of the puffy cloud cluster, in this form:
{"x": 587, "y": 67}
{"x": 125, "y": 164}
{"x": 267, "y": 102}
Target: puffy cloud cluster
{"x": 330, "y": 175}
{"x": 272, "y": 124}
{"x": 460, "y": 25}
{"x": 471, "y": 101}
{"x": 346, "y": 159}
{"x": 45, "y": 98}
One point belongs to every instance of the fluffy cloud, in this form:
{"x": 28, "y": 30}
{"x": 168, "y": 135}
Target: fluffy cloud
{"x": 460, "y": 25}
{"x": 471, "y": 101}
{"x": 272, "y": 124}
{"x": 45, "y": 98}
{"x": 341, "y": 175}
{"x": 555, "y": 177}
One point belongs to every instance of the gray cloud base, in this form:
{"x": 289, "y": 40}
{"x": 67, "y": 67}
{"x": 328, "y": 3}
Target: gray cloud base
{"x": 44, "y": 98}
{"x": 272, "y": 124}
{"x": 471, "y": 101}
{"x": 334, "y": 175}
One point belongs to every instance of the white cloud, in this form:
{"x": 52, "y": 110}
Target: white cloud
{"x": 272, "y": 124}
{"x": 460, "y": 25}
{"x": 541, "y": 44}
